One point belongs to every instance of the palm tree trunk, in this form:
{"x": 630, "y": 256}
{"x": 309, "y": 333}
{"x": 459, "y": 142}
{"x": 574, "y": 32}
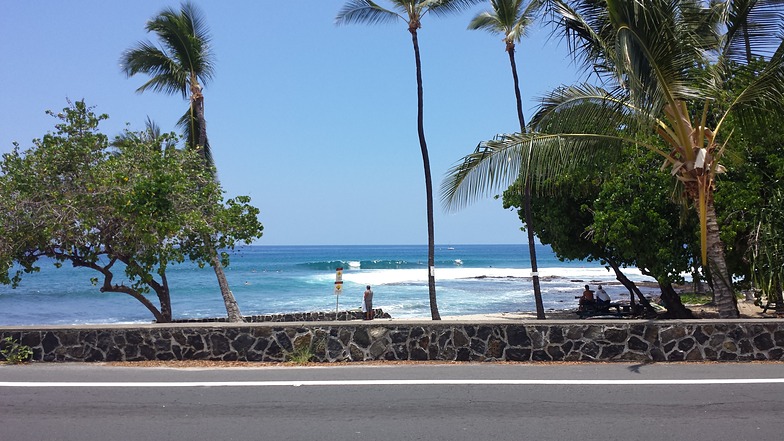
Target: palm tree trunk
{"x": 201, "y": 139}
{"x": 527, "y": 195}
{"x": 200, "y": 134}
{"x": 164, "y": 297}
{"x": 232, "y": 309}
{"x": 520, "y": 117}
{"x": 532, "y": 251}
{"x": 431, "y": 278}
{"x": 722, "y": 285}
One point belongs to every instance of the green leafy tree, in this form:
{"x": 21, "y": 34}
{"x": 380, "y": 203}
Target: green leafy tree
{"x": 132, "y": 207}
{"x": 410, "y": 12}
{"x": 665, "y": 64}
{"x": 621, "y": 216}
{"x": 636, "y": 216}
{"x": 511, "y": 19}
{"x": 754, "y": 175}
{"x": 180, "y": 66}
{"x": 766, "y": 251}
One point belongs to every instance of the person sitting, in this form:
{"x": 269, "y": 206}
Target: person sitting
{"x": 586, "y": 300}
{"x": 602, "y": 298}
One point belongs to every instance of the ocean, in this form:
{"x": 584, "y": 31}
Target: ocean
{"x": 470, "y": 279}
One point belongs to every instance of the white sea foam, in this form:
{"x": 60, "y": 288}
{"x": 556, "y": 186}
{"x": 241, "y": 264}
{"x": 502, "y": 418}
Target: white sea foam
{"x": 303, "y": 279}
{"x": 418, "y": 275}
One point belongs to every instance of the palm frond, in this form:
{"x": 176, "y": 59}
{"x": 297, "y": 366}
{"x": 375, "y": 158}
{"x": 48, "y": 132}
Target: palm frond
{"x": 510, "y": 18}
{"x": 365, "y": 12}
{"x": 446, "y": 7}
{"x": 586, "y": 108}
{"x": 165, "y": 74}
{"x": 655, "y": 52}
{"x": 185, "y": 35}
{"x": 495, "y": 165}
{"x": 185, "y": 52}
{"x": 587, "y": 31}
{"x": 754, "y": 29}
{"x": 490, "y": 168}
{"x": 765, "y": 93}
{"x": 526, "y": 17}
{"x": 485, "y": 21}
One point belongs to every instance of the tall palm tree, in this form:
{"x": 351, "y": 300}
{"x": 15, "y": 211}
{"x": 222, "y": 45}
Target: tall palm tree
{"x": 511, "y": 19}
{"x": 410, "y": 12}
{"x": 667, "y": 65}
{"x": 180, "y": 66}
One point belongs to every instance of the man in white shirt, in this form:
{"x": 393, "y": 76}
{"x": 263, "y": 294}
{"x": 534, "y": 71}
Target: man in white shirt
{"x": 602, "y": 298}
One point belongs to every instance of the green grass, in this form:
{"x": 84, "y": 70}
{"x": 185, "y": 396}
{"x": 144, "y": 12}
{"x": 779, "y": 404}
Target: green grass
{"x": 301, "y": 355}
{"x": 693, "y": 298}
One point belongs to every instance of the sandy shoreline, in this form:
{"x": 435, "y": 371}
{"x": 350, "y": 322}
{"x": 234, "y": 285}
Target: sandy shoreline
{"x": 747, "y": 310}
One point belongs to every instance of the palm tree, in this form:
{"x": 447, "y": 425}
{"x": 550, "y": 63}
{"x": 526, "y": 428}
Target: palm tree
{"x": 667, "y": 64}
{"x": 411, "y": 12}
{"x": 181, "y": 65}
{"x": 511, "y": 19}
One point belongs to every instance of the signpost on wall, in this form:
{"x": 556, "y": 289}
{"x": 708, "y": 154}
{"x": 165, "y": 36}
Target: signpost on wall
{"x": 338, "y": 287}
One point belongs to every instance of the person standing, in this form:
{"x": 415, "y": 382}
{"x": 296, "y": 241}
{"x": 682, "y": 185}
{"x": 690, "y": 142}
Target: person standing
{"x": 367, "y": 302}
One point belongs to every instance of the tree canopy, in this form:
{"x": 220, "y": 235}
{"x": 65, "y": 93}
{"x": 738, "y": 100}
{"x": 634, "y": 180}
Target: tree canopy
{"x": 663, "y": 68}
{"x": 132, "y": 207}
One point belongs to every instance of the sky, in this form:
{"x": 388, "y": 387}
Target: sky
{"x": 316, "y": 122}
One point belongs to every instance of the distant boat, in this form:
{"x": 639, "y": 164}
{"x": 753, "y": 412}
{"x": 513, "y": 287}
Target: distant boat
{"x": 450, "y": 248}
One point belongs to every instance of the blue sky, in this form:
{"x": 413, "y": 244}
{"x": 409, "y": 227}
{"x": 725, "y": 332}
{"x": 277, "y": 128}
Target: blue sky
{"x": 317, "y": 123}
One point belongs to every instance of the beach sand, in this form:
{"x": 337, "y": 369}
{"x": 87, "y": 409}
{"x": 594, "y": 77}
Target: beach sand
{"x": 748, "y": 310}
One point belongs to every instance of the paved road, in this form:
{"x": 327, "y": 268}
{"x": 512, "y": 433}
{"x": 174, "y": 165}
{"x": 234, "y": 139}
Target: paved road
{"x": 421, "y": 402}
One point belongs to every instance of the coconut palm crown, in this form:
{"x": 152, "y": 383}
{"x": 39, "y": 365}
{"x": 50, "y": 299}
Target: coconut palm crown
{"x": 663, "y": 68}
{"x": 182, "y": 64}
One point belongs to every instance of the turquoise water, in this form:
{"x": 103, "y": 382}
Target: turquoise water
{"x": 470, "y": 279}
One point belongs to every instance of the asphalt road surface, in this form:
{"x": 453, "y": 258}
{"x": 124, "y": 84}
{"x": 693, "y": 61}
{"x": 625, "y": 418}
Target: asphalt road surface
{"x": 402, "y": 402}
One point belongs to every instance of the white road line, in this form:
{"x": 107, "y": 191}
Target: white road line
{"x": 326, "y": 383}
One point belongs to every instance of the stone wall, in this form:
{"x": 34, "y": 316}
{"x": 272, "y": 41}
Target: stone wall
{"x": 319, "y": 316}
{"x": 636, "y": 341}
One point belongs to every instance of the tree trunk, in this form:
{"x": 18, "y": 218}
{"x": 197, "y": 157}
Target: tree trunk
{"x": 632, "y": 288}
{"x": 672, "y": 301}
{"x": 520, "y": 117}
{"x": 162, "y": 315}
{"x": 197, "y": 104}
{"x": 532, "y": 251}
{"x": 431, "y": 278}
{"x": 164, "y": 297}
{"x": 201, "y": 139}
{"x": 232, "y": 309}
{"x": 527, "y": 193}
{"x": 722, "y": 285}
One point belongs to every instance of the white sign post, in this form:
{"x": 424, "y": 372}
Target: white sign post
{"x": 338, "y": 287}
